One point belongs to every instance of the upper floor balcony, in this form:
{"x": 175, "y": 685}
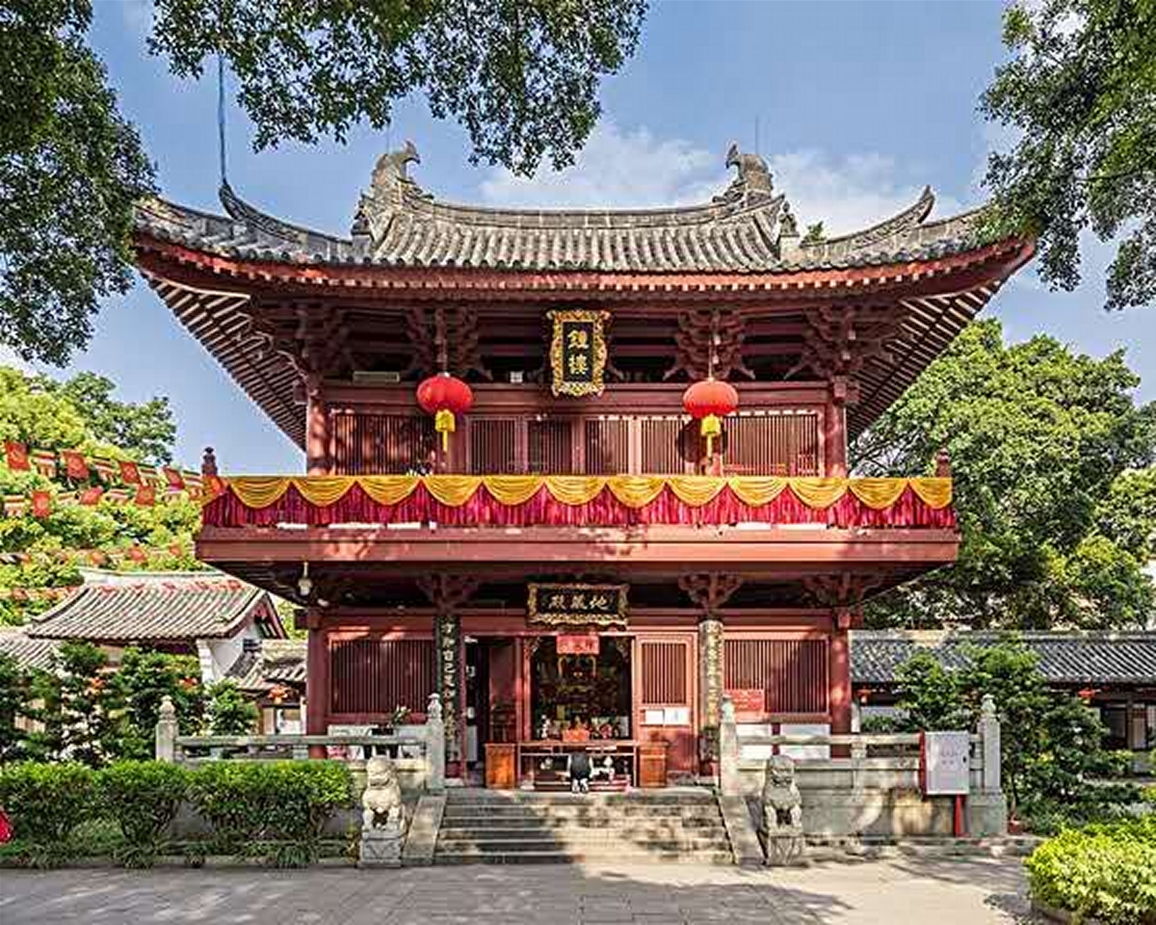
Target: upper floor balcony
{"x": 569, "y": 501}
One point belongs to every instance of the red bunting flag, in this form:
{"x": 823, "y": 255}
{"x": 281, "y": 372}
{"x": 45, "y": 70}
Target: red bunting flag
{"x": 129, "y": 473}
{"x": 97, "y": 557}
{"x": 74, "y": 464}
{"x": 137, "y": 554}
{"x": 41, "y": 504}
{"x": 174, "y": 478}
{"x": 90, "y": 497}
{"x": 176, "y": 549}
{"x": 146, "y": 495}
{"x": 16, "y": 454}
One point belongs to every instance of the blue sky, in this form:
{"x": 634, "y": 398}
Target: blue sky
{"x": 858, "y": 105}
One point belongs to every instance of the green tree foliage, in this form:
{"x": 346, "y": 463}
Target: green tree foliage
{"x": 1079, "y": 92}
{"x": 228, "y": 712}
{"x": 81, "y": 414}
{"x": 90, "y": 711}
{"x": 1042, "y": 442}
{"x": 1052, "y": 742}
{"x": 140, "y": 683}
{"x": 71, "y": 169}
{"x": 521, "y": 76}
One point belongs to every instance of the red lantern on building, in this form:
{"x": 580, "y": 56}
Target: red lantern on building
{"x": 709, "y": 402}
{"x": 444, "y": 396}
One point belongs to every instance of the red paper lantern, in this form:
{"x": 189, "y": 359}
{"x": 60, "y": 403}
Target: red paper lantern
{"x": 709, "y": 402}
{"x": 444, "y": 396}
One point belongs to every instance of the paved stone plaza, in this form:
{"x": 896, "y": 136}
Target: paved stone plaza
{"x": 943, "y": 892}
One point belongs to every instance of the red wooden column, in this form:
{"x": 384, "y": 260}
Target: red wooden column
{"x": 317, "y": 702}
{"x": 316, "y": 428}
{"x": 839, "y": 672}
{"x": 835, "y": 431}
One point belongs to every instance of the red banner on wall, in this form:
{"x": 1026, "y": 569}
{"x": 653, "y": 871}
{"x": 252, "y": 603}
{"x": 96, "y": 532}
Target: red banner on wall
{"x": 748, "y": 699}
{"x": 583, "y": 644}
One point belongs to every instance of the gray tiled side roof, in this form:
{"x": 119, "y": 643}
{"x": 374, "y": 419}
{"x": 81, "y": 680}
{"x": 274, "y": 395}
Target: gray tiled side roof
{"x": 746, "y": 229}
{"x": 151, "y": 608}
{"x": 1064, "y": 657}
{"x": 29, "y": 652}
{"x": 279, "y": 661}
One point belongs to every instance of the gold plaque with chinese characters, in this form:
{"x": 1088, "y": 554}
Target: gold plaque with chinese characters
{"x": 578, "y": 351}
{"x": 565, "y": 605}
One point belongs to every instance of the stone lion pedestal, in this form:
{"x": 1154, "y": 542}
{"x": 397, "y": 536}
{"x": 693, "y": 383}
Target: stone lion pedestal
{"x": 382, "y": 815}
{"x": 782, "y": 822}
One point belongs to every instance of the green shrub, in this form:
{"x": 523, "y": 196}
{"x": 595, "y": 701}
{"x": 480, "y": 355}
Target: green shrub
{"x": 143, "y": 797}
{"x": 1106, "y": 872}
{"x": 229, "y": 713}
{"x": 46, "y": 802}
{"x": 276, "y": 808}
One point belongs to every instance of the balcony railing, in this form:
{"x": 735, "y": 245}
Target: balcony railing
{"x": 579, "y": 501}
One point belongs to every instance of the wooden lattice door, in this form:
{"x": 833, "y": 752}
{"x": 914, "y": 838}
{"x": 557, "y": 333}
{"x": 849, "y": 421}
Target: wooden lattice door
{"x": 666, "y": 686}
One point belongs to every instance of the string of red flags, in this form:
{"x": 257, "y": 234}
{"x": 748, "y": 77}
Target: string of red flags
{"x": 95, "y": 557}
{"x": 79, "y": 467}
{"x": 122, "y": 481}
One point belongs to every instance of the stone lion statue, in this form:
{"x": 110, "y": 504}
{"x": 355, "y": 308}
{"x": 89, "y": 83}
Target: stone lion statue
{"x": 782, "y": 802}
{"x": 381, "y": 803}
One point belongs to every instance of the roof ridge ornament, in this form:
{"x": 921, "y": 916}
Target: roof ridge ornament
{"x": 753, "y": 180}
{"x": 386, "y": 193}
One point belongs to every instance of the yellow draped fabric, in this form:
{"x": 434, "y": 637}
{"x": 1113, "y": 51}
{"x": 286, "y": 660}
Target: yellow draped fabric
{"x": 575, "y": 489}
{"x": 634, "y": 491}
{"x": 756, "y": 490}
{"x": 934, "y": 492}
{"x": 452, "y": 490}
{"x": 388, "y": 489}
{"x": 819, "y": 493}
{"x": 877, "y": 494}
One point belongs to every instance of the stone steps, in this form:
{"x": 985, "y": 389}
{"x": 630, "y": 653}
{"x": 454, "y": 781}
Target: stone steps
{"x": 480, "y": 826}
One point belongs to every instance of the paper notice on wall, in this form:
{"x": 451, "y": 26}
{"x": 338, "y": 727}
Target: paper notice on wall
{"x": 654, "y": 717}
{"x": 677, "y": 716}
{"x": 946, "y": 763}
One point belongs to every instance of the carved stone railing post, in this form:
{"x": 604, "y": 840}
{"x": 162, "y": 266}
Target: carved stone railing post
{"x": 989, "y": 743}
{"x": 435, "y": 745}
{"x": 166, "y": 732}
{"x": 728, "y": 746}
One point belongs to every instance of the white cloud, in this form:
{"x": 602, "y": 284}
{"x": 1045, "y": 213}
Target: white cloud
{"x": 634, "y": 169}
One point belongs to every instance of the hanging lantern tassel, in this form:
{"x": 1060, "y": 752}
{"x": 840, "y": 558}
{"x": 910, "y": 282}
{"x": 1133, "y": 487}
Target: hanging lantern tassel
{"x": 710, "y": 428}
{"x": 444, "y": 425}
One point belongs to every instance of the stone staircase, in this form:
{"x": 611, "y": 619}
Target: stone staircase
{"x": 495, "y": 827}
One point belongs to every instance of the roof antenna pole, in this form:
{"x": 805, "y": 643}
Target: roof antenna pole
{"x": 221, "y": 118}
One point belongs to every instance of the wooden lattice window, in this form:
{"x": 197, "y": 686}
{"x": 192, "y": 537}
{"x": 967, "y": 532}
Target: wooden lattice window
{"x": 373, "y": 675}
{"x": 792, "y": 673}
{"x": 661, "y": 453}
{"x": 494, "y": 446}
{"x": 664, "y": 678}
{"x": 380, "y": 444}
{"x": 550, "y": 447}
{"x": 606, "y": 442}
{"x": 772, "y": 444}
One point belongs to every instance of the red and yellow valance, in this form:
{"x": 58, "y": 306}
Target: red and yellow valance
{"x": 580, "y": 500}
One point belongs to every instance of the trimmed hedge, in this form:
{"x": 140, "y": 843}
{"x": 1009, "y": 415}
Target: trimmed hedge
{"x": 275, "y": 810}
{"x": 143, "y": 798}
{"x": 46, "y": 802}
{"x": 1106, "y": 872}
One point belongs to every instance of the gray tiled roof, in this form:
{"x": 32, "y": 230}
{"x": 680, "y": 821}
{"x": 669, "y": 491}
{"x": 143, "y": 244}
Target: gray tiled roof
{"x": 278, "y": 661}
{"x": 29, "y": 652}
{"x": 144, "y": 607}
{"x": 1064, "y": 657}
{"x": 748, "y": 228}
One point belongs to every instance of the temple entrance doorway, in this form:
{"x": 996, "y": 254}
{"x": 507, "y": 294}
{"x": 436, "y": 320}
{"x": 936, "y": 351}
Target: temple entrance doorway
{"x": 580, "y": 688}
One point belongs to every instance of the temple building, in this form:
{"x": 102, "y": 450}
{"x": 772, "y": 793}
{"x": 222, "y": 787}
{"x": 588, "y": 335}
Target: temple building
{"x": 581, "y": 473}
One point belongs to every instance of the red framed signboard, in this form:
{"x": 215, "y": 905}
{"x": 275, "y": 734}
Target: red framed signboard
{"x": 748, "y": 699}
{"x": 577, "y": 644}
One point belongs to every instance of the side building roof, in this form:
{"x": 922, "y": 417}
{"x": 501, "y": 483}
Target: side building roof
{"x": 277, "y": 663}
{"x": 133, "y": 607}
{"x": 26, "y": 650}
{"x": 1065, "y": 658}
